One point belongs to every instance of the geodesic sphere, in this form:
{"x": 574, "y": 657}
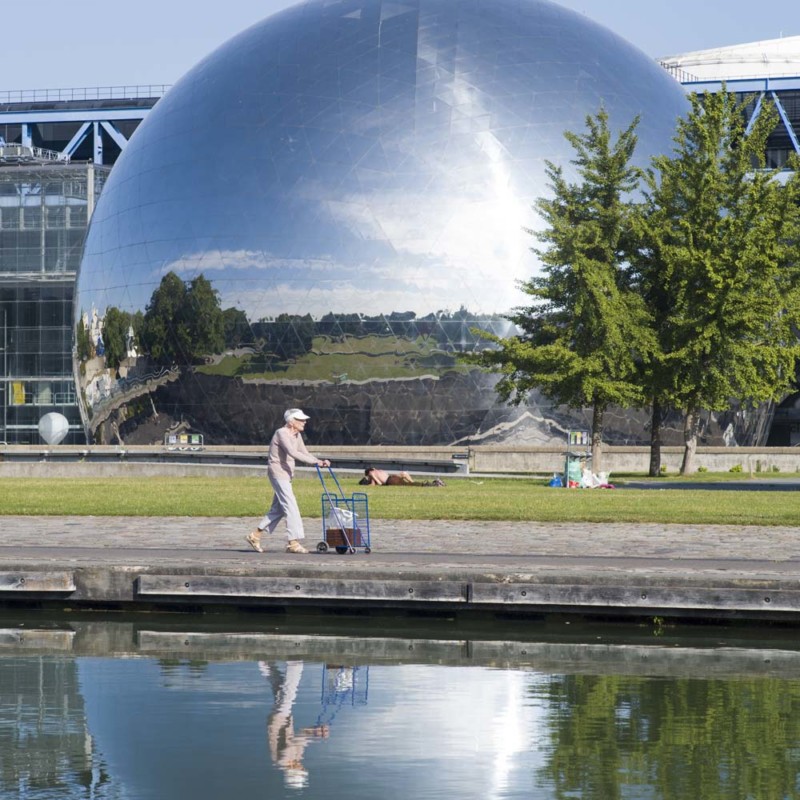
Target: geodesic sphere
{"x": 322, "y": 210}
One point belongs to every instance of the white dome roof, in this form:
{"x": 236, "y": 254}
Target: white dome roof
{"x": 770, "y": 58}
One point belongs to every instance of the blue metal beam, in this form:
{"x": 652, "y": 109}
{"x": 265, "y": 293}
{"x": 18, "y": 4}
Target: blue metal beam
{"x": 745, "y": 85}
{"x": 114, "y": 134}
{"x": 754, "y": 115}
{"x": 71, "y": 115}
{"x": 98, "y": 143}
{"x": 76, "y": 140}
{"x": 786, "y": 122}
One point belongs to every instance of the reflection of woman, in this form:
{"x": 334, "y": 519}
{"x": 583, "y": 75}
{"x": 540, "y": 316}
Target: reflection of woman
{"x": 286, "y": 747}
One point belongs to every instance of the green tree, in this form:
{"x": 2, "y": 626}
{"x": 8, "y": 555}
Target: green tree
{"x": 236, "y": 327}
{"x": 716, "y": 739}
{"x": 83, "y": 341}
{"x": 115, "y": 332}
{"x": 587, "y": 329}
{"x": 183, "y": 323}
{"x": 291, "y": 335}
{"x": 203, "y": 318}
{"x": 718, "y": 268}
{"x": 164, "y": 334}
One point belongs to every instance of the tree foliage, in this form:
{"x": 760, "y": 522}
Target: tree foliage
{"x": 83, "y": 341}
{"x": 718, "y": 266}
{"x": 586, "y": 330}
{"x": 236, "y": 327}
{"x": 116, "y": 324}
{"x": 610, "y": 735}
{"x": 182, "y": 323}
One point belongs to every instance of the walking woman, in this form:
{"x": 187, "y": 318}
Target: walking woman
{"x": 285, "y": 449}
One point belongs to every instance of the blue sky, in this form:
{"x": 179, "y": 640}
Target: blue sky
{"x": 52, "y": 44}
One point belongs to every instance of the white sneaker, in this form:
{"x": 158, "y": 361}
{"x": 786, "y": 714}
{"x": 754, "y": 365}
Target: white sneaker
{"x": 295, "y": 547}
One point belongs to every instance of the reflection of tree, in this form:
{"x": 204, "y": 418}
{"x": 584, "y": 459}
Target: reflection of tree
{"x": 715, "y": 740}
{"x": 182, "y": 323}
{"x": 83, "y": 341}
{"x": 236, "y": 327}
{"x": 288, "y": 336}
{"x": 115, "y": 332}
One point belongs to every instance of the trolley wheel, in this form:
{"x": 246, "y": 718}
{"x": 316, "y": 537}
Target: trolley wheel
{"x": 341, "y": 550}
{"x": 367, "y": 550}
{"x": 351, "y": 550}
{"x": 322, "y": 547}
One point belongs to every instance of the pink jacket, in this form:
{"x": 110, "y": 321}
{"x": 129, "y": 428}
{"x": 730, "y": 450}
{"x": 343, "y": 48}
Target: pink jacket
{"x": 285, "y": 448}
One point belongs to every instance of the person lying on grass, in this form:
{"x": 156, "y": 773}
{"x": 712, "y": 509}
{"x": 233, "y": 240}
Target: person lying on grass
{"x": 379, "y": 477}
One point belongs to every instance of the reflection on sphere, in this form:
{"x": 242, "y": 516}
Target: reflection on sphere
{"x": 322, "y": 211}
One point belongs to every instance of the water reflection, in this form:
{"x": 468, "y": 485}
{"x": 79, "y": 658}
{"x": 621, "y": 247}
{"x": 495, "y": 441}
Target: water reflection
{"x": 121, "y": 710}
{"x": 286, "y": 746}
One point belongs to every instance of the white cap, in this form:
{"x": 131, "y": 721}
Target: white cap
{"x": 295, "y": 413}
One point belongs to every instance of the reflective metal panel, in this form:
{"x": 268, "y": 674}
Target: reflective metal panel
{"x": 322, "y": 210}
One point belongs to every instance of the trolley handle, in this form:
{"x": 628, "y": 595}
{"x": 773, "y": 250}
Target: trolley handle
{"x": 332, "y": 475}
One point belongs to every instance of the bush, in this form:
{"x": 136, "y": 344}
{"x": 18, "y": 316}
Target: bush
{"x": 735, "y": 468}
{"x": 702, "y": 469}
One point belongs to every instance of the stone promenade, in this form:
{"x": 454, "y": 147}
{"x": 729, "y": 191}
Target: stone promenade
{"x": 528, "y": 568}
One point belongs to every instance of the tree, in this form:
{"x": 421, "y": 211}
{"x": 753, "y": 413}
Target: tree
{"x": 83, "y": 341}
{"x": 236, "y": 326}
{"x": 181, "y": 324}
{"x": 203, "y": 319}
{"x": 291, "y": 335}
{"x": 717, "y": 268}
{"x": 115, "y": 333}
{"x": 586, "y": 331}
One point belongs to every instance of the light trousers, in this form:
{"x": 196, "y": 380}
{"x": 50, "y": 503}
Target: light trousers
{"x": 284, "y": 506}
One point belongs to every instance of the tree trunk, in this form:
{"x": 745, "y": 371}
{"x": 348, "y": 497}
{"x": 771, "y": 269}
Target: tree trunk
{"x": 655, "y": 439}
{"x": 689, "y": 442}
{"x": 598, "y": 413}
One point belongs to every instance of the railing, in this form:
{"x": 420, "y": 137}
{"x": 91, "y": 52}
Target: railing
{"x": 83, "y": 93}
{"x": 683, "y": 76}
{"x": 680, "y": 75}
{"x": 20, "y": 153}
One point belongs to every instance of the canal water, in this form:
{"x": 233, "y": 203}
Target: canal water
{"x": 141, "y": 710}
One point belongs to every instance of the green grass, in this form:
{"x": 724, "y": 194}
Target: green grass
{"x": 461, "y": 498}
{"x": 360, "y": 358}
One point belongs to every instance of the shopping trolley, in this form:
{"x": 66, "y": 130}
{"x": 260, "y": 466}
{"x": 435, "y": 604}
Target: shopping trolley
{"x": 345, "y": 520}
{"x": 342, "y": 685}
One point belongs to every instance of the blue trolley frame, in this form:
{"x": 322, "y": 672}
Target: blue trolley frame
{"x": 345, "y": 520}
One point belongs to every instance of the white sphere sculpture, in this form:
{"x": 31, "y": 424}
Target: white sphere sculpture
{"x": 53, "y": 427}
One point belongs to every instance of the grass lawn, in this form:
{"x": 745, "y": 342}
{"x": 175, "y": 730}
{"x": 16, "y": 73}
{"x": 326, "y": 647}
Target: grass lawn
{"x": 360, "y": 358}
{"x": 461, "y": 498}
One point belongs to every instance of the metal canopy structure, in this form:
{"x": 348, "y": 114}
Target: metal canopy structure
{"x": 86, "y": 124}
{"x": 45, "y": 207}
{"x": 765, "y": 70}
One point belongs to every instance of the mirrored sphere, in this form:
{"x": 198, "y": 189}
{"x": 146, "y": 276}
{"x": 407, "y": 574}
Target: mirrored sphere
{"x": 323, "y": 211}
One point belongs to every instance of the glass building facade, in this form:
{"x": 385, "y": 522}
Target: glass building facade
{"x": 45, "y": 208}
{"x": 324, "y": 211}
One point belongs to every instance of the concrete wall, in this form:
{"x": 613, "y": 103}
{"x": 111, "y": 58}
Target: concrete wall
{"x": 23, "y": 460}
{"x": 635, "y": 459}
